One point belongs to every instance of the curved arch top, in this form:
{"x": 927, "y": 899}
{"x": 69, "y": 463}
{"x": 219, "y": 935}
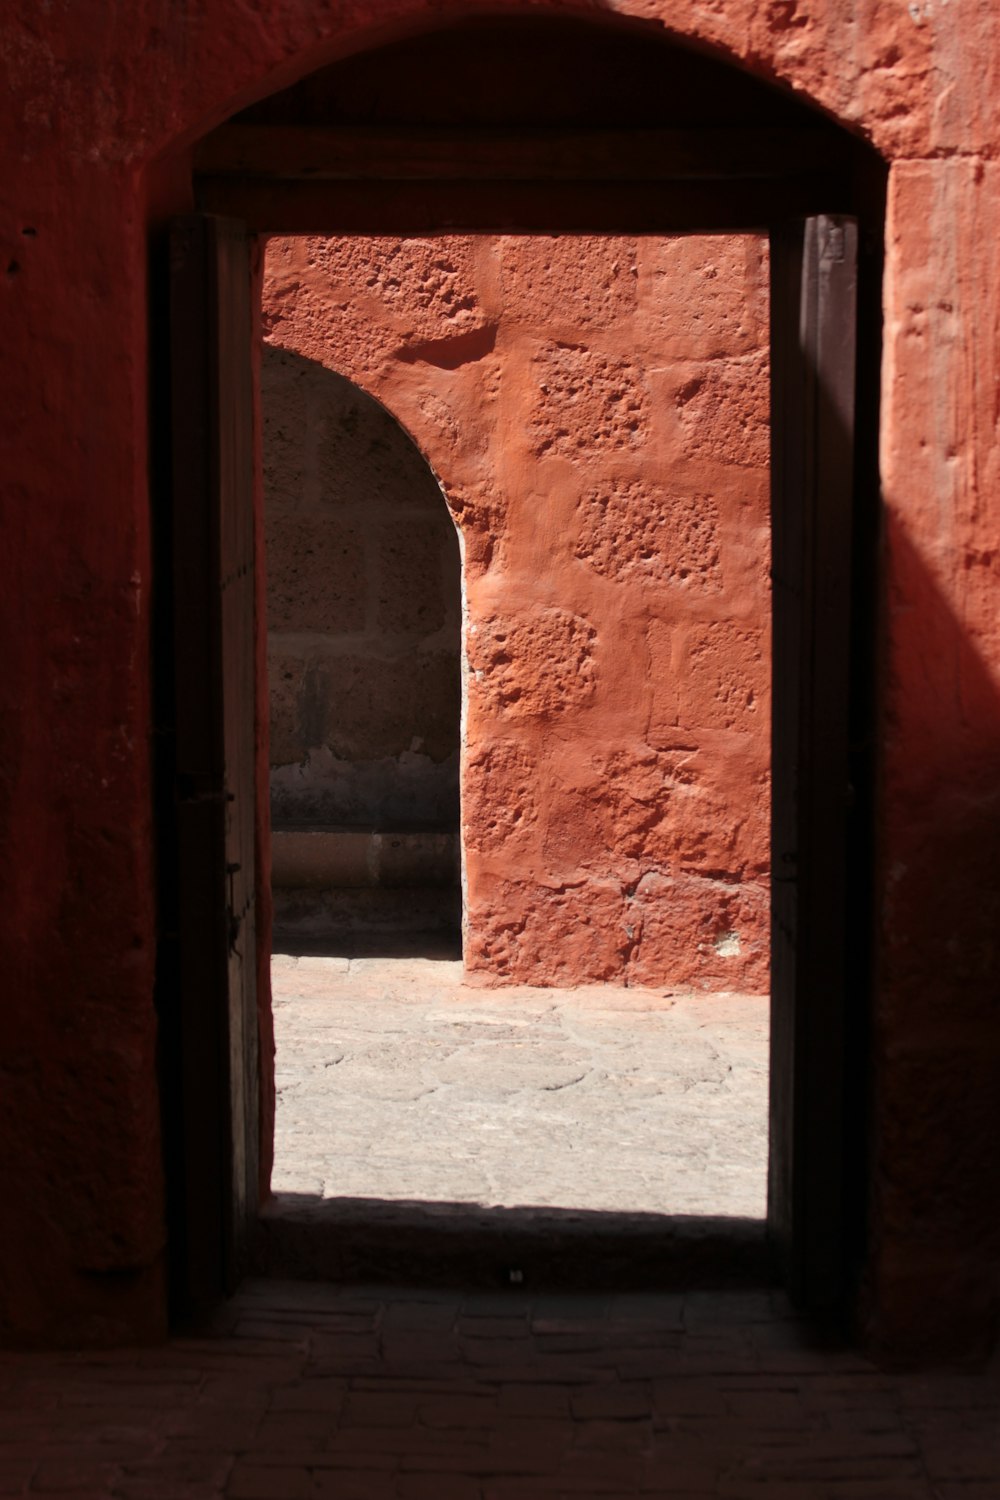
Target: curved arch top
{"x": 535, "y": 69}
{"x": 530, "y": 123}
{"x": 815, "y": 62}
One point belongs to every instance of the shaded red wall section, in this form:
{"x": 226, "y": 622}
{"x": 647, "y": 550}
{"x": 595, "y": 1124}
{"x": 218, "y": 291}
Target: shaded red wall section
{"x": 95, "y": 118}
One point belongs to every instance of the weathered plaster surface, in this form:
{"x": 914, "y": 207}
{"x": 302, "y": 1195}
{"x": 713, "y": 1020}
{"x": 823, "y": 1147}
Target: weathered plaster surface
{"x": 97, "y": 98}
{"x": 610, "y": 395}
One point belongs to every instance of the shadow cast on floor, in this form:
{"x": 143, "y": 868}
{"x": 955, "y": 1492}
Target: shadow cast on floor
{"x": 442, "y": 946}
{"x": 352, "y": 1240}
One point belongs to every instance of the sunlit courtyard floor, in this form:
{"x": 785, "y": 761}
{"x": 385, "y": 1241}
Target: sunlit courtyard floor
{"x": 397, "y": 1081}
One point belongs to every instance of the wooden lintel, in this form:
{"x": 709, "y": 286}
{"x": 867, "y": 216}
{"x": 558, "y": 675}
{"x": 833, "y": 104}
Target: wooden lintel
{"x": 313, "y": 153}
{"x": 270, "y": 206}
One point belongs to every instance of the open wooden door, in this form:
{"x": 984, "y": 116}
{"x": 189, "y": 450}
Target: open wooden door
{"x": 813, "y": 342}
{"x": 211, "y": 1023}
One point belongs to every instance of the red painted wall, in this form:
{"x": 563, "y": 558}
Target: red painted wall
{"x": 596, "y": 409}
{"x": 98, "y": 107}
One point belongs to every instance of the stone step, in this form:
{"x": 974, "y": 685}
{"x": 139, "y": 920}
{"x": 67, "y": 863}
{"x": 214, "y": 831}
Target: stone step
{"x": 333, "y": 919}
{"x": 360, "y": 858}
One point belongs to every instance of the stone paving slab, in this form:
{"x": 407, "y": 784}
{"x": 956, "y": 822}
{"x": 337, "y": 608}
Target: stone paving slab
{"x": 306, "y": 1390}
{"x": 396, "y": 1080}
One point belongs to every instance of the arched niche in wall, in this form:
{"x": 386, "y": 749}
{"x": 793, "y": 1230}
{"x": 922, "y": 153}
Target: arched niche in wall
{"x": 364, "y": 616}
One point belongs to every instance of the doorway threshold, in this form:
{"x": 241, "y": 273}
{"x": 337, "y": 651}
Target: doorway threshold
{"x": 430, "y": 1128}
{"x": 358, "y": 1240}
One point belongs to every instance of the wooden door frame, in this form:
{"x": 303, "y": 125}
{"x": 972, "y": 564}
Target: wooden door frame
{"x": 205, "y": 670}
{"x": 825, "y": 494}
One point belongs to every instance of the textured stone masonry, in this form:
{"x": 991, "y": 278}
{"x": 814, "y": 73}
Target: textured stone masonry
{"x": 596, "y": 408}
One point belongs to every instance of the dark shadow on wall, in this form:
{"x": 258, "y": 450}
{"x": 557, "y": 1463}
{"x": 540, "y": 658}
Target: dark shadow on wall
{"x": 364, "y": 662}
{"x": 937, "y": 1016}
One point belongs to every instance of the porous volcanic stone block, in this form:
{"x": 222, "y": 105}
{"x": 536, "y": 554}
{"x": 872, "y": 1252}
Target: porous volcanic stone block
{"x": 539, "y": 662}
{"x": 284, "y": 389}
{"x": 480, "y": 510}
{"x": 286, "y": 672}
{"x": 518, "y": 929}
{"x": 705, "y": 297}
{"x": 355, "y": 857}
{"x": 586, "y": 401}
{"x": 499, "y": 795}
{"x": 379, "y": 706}
{"x": 315, "y": 574}
{"x": 364, "y": 457}
{"x": 705, "y": 931}
{"x": 677, "y": 810}
{"x": 724, "y": 410}
{"x": 426, "y": 286}
{"x": 725, "y": 677}
{"x": 711, "y": 675}
{"x": 574, "y": 280}
{"x": 637, "y": 531}
{"x": 419, "y": 575}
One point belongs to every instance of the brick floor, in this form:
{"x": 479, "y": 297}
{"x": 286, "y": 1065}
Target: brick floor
{"x": 307, "y": 1390}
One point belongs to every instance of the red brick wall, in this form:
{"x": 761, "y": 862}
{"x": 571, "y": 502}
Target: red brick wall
{"x": 597, "y": 411}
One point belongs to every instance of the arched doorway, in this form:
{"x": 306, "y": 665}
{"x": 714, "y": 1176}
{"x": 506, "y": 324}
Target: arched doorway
{"x": 364, "y": 620}
{"x": 621, "y": 133}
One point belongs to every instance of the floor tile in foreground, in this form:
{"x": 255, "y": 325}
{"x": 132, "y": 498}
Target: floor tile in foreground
{"x": 309, "y": 1391}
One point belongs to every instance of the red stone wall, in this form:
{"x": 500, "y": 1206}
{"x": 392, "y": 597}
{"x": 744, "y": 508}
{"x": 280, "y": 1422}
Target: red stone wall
{"x": 597, "y": 411}
{"x": 96, "y": 117}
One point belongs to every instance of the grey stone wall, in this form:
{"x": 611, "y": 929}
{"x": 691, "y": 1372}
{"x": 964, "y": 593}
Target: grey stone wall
{"x": 364, "y": 611}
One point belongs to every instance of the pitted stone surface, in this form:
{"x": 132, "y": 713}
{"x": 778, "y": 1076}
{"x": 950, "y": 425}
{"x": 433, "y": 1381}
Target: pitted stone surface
{"x": 535, "y": 664}
{"x": 662, "y": 810}
{"x": 711, "y": 677}
{"x": 724, "y": 412}
{"x": 586, "y": 401}
{"x": 426, "y": 284}
{"x": 729, "y": 920}
{"x": 634, "y": 531}
{"x": 511, "y": 925}
{"x": 398, "y": 1081}
{"x": 706, "y": 297}
{"x": 500, "y": 785}
{"x": 725, "y": 679}
{"x": 316, "y": 572}
{"x": 592, "y": 278}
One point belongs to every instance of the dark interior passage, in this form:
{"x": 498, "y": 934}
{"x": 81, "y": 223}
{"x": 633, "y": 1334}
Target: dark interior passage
{"x": 364, "y": 643}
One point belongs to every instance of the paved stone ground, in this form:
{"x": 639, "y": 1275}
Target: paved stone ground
{"x": 376, "y": 1394}
{"x": 397, "y": 1081}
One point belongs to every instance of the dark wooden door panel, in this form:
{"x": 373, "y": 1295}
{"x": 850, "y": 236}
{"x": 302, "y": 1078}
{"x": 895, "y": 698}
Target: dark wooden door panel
{"x": 213, "y": 656}
{"x": 814, "y": 325}
{"x": 236, "y": 522}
